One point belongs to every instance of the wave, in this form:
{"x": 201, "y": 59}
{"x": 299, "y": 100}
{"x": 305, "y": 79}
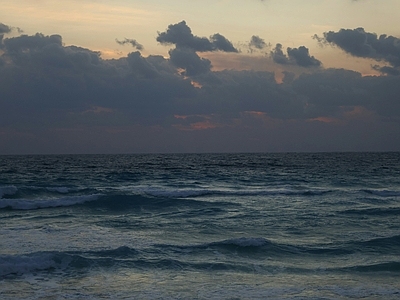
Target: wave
{"x": 120, "y": 252}
{"x": 122, "y": 257}
{"x": 245, "y": 242}
{"x": 23, "y": 264}
{"x": 381, "y": 244}
{"x": 29, "y": 191}
{"x": 40, "y": 189}
{"x": 29, "y": 204}
{"x": 186, "y": 193}
{"x": 113, "y": 203}
{"x": 157, "y": 256}
{"x": 392, "y": 267}
{"x": 384, "y": 211}
{"x": 238, "y": 255}
{"x": 55, "y": 260}
{"x": 7, "y": 190}
{"x": 113, "y": 199}
{"x": 257, "y": 247}
{"x": 70, "y": 262}
{"x": 382, "y": 193}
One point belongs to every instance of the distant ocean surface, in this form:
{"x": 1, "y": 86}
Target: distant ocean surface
{"x": 200, "y": 226}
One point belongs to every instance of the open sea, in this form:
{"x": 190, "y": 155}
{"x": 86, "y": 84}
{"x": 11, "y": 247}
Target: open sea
{"x": 200, "y": 226}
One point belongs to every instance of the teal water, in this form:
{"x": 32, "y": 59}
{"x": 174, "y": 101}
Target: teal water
{"x": 200, "y": 226}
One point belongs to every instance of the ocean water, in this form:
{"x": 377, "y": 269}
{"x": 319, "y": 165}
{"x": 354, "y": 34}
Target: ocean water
{"x": 200, "y": 226}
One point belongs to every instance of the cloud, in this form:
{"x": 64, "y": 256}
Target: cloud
{"x": 288, "y": 77}
{"x": 184, "y": 55}
{"x": 188, "y": 60}
{"x": 58, "y": 96}
{"x": 257, "y": 43}
{"x": 132, "y": 42}
{"x": 182, "y": 37}
{"x": 219, "y": 42}
{"x": 27, "y": 45}
{"x": 140, "y": 67}
{"x": 278, "y": 56}
{"x": 359, "y": 43}
{"x": 4, "y": 28}
{"x": 387, "y": 70}
{"x": 42, "y": 75}
{"x": 302, "y": 57}
{"x": 295, "y": 56}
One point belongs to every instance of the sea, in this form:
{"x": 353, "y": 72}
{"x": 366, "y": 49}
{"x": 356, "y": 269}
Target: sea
{"x": 200, "y": 226}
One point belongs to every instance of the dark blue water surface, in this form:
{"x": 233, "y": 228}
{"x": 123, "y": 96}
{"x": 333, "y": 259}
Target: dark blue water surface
{"x": 200, "y": 226}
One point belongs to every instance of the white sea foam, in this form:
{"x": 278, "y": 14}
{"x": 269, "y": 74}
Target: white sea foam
{"x": 26, "y": 204}
{"x": 7, "y": 190}
{"x": 22, "y": 264}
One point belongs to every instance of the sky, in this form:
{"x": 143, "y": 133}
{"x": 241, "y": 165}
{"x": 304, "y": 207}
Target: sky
{"x": 136, "y": 76}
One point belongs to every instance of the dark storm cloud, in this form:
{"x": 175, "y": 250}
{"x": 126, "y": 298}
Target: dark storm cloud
{"x": 45, "y": 85}
{"x": 26, "y": 45}
{"x": 184, "y": 55}
{"x": 188, "y": 60}
{"x": 302, "y": 57}
{"x": 36, "y": 41}
{"x": 278, "y": 56}
{"x": 47, "y": 52}
{"x": 141, "y": 67}
{"x": 295, "y": 56}
{"x": 387, "y": 70}
{"x": 42, "y": 73}
{"x": 288, "y": 77}
{"x": 181, "y": 35}
{"x": 219, "y": 42}
{"x": 328, "y": 91}
{"x": 132, "y": 42}
{"x": 57, "y": 82}
{"x": 237, "y": 91}
{"x": 4, "y": 28}
{"x": 360, "y": 43}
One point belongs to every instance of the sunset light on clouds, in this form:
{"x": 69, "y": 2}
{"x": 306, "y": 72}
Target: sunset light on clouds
{"x": 199, "y": 76}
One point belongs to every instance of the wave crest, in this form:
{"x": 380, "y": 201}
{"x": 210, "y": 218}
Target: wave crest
{"x": 7, "y": 190}
{"x": 185, "y": 193}
{"x": 28, "y": 204}
{"x": 382, "y": 193}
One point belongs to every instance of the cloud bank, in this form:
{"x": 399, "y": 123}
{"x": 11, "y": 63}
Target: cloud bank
{"x": 68, "y": 99}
